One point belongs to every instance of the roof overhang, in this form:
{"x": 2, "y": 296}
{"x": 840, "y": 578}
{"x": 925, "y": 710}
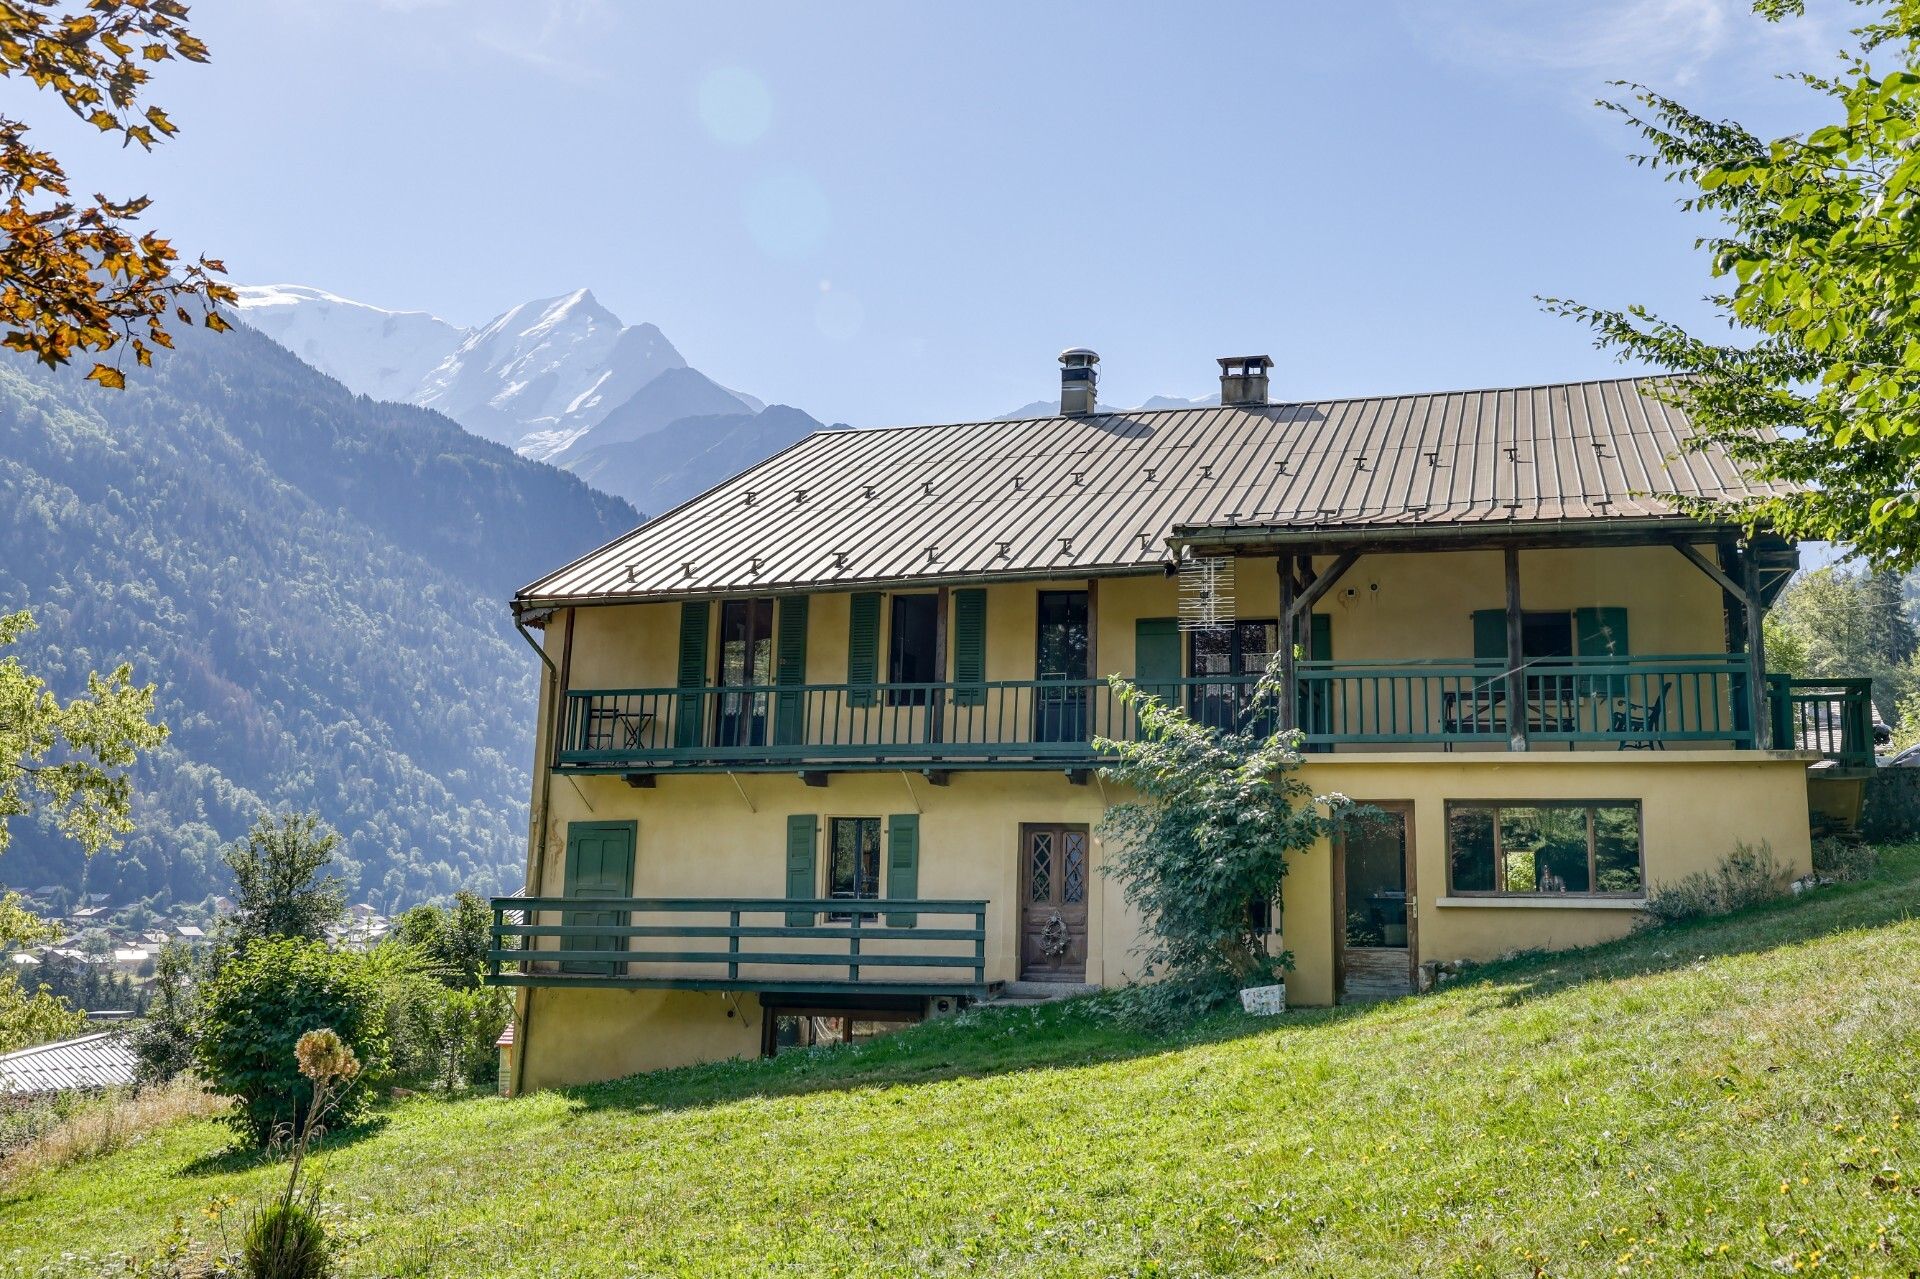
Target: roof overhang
{"x": 1308, "y": 539}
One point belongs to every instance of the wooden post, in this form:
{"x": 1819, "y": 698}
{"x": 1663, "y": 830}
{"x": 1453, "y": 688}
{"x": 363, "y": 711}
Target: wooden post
{"x": 1288, "y": 628}
{"x": 1516, "y": 680}
{"x": 1756, "y": 648}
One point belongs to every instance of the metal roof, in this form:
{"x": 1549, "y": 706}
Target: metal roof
{"x": 101, "y": 1060}
{"x": 1073, "y": 496}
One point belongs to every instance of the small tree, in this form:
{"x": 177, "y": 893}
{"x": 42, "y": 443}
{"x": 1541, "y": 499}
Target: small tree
{"x": 249, "y": 1022}
{"x": 454, "y": 940}
{"x": 1206, "y": 844}
{"x": 163, "y": 1043}
{"x": 279, "y": 890}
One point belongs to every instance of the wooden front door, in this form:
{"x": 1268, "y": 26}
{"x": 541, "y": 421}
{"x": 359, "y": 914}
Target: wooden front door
{"x": 1374, "y": 898}
{"x": 1056, "y": 871}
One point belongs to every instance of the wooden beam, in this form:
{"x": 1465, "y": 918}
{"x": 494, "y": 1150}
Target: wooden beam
{"x": 1324, "y": 582}
{"x": 1756, "y": 648}
{"x": 1516, "y": 658}
{"x": 1738, "y": 590}
{"x": 640, "y": 781}
{"x": 937, "y": 776}
{"x": 813, "y": 777}
{"x": 1079, "y": 776}
{"x": 1289, "y": 629}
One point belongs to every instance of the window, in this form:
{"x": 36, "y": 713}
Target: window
{"x": 1229, "y": 658}
{"x": 1546, "y": 635}
{"x": 911, "y": 645}
{"x": 853, "y": 861}
{"x": 1544, "y": 848}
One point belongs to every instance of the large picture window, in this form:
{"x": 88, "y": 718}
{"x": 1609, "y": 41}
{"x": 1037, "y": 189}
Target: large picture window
{"x": 1544, "y": 848}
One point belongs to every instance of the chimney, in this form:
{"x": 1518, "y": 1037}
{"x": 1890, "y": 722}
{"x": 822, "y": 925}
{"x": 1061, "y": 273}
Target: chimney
{"x": 1079, "y": 382}
{"x": 1243, "y": 379}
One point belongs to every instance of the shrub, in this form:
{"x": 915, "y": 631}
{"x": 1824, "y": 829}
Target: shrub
{"x": 1745, "y": 877}
{"x": 252, "y": 1014}
{"x": 1205, "y": 845}
{"x": 285, "y": 1241}
{"x": 1844, "y": 858}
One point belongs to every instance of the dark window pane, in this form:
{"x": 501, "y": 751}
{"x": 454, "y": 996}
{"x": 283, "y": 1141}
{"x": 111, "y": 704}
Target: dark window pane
{"x": 853, "y": 859}
{"x": 1470, "y": 848}
{"x": 1062, "y": 650}
{"x": 1616, "y": 849}
{"x": 1257, "y": 641}
{"x": 911, "y": 645}
{"x": 1546, "y": 634}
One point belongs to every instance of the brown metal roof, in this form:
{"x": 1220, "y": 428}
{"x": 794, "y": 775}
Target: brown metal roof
{"x": 1072, "y": 496}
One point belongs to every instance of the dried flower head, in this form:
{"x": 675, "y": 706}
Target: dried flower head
{"x": 324, "y": 1055}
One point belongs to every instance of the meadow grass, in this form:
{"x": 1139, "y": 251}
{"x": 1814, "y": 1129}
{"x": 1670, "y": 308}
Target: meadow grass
{"x": 1732, "y": 1097}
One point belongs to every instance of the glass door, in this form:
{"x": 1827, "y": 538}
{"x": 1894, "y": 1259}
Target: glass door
{"x": 1060, "y": 664}
{"x": 746, "y": 662}
{"x": 1229, "y": 659}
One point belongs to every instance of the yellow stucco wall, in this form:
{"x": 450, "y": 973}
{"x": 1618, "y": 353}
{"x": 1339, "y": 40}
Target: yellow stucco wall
{"x": 585, "y": 1036}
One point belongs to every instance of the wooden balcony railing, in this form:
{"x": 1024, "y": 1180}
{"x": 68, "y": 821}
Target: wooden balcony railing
{"x": 769, "y": 944}
{"x": 1654, "y": 701}
{"x": 1832, "y": 716}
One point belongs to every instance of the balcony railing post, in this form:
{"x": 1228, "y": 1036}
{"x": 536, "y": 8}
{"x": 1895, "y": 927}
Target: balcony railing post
{"x": 853, "y": 945}
{"x": 980, "y": 947}
{"x": 733, "y": 945}
{"x": 499, "y": 942}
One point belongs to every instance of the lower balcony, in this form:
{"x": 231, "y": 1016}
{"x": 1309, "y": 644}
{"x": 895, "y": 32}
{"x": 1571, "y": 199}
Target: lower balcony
{"x": 789, "y": 946}
{"x": 1652, "y": 702}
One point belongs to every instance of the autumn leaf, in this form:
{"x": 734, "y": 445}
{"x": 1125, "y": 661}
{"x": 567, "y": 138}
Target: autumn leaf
{"x": 108, "y": 376}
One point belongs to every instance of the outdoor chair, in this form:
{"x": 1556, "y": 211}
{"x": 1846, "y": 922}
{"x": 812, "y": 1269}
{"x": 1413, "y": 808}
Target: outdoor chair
{"x": 1639, "y": 727}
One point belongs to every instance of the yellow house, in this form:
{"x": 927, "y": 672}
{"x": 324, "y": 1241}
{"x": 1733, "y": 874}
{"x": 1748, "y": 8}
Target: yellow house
{"x": 817, "y": 749}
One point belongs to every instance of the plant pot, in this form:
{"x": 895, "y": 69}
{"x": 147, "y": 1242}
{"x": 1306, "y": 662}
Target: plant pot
{"x": 1264, "y": 1001}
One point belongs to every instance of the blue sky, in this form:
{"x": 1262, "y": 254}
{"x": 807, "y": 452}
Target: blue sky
{"x": 887, "y": 212}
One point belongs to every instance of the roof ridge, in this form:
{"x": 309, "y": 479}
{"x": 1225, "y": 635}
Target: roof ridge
{"x": 1271, "y": 404}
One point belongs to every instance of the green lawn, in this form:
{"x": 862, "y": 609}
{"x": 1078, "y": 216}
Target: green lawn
{"x": 1733, "y": 1098}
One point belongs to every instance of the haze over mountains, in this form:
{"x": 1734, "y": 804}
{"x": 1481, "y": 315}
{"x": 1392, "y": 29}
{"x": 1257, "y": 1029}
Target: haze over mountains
{"x": 560, "y": 379}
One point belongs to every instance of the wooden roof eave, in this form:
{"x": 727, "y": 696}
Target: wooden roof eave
{"x": 1246, "y": 539}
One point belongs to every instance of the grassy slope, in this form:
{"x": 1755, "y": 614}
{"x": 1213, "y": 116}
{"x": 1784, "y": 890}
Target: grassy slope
{"x": 1731, "y": 1098}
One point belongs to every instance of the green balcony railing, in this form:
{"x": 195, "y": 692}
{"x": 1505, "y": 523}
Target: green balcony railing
{"x": 769, "y": 944}
{"x": 1650, "y": 701}
{"x": 1655, "y": 701}
{"x": 1832, "y": 716}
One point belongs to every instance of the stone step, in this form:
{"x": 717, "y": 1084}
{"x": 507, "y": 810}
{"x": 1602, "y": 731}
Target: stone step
{"x": 1040, "y": 992}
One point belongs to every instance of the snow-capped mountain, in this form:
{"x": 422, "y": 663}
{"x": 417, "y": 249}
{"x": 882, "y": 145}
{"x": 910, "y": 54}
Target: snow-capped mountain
{"x": 382, "y": 354}
{"x": 560, "y": 379}
{"x": 545, "y": 372}
{"x": 538, "y": 377}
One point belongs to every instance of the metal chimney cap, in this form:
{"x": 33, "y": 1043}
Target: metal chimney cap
{"x": 1260, "y": 362}
{"x": 1079, "y": 355}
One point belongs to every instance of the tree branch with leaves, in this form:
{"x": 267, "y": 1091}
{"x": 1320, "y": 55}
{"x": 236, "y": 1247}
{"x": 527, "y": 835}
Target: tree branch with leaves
{"x": 1817, "y": 391}
{"x": 81, "y": 277}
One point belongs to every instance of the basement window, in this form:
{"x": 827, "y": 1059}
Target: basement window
{"x": 1550, "y": 848}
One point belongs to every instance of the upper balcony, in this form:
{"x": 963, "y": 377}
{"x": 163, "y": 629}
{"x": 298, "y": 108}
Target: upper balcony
{"x": 1641, "y": 702}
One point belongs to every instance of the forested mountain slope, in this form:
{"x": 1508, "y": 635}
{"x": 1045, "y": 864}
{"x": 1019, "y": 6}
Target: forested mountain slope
{"x": 316, "y": 582}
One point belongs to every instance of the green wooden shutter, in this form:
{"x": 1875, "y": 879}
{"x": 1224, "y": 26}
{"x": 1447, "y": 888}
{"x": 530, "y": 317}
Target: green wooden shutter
{"x": 802, "y": 832}
{"x": 1600, "y": 632}
{"x": 690, "y": 717}
{"x": 969, "y": 646}
{"x": 863, "y": 648}
{"x": 790, "y": 668}
{"x": 599, "y": 864}
{"x": 1490, "y": 634}
{"x": 903, "y": 864}
{"x": 1156, "y": 657}
{"x": 1320, "y": 638}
